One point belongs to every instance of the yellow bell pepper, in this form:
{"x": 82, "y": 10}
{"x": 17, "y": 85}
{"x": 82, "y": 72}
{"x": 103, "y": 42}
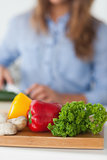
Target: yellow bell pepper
{"x": 19, "y": 106}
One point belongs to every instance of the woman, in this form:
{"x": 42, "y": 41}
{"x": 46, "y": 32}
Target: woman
{"x": 63, "y": 52}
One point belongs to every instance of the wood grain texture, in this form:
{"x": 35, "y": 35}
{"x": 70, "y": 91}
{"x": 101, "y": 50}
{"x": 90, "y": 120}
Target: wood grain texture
{"x": 27, "y": 138}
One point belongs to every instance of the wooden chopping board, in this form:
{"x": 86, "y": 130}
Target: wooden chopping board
{"x": 26, "y": 138}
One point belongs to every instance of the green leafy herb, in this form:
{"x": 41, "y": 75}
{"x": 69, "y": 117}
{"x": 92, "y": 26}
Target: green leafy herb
{"x": 78, "y": 117}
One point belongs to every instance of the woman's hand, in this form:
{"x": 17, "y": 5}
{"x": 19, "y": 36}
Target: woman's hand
{"x": 4, "y": 75}
{"x": 41, "y": 92}
{"x": 46, "y": 94}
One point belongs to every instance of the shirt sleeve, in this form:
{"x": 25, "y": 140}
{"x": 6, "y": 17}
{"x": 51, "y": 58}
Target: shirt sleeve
{"x": 8, "y": 47}
{"x": 98, "y": 93}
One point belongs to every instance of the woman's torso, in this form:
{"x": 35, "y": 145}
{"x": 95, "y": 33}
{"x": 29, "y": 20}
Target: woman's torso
{"x": 50, "y": 59}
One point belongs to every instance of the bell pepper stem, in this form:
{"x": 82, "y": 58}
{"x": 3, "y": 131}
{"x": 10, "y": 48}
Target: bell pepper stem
{"x": 30, "y": 116}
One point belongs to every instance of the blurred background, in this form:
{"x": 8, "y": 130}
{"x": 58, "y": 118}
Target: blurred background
{"x": 11, "y": 8}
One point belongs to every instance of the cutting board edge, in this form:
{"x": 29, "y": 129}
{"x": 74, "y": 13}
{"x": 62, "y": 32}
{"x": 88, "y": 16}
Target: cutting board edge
{"x": 43, "y": 142}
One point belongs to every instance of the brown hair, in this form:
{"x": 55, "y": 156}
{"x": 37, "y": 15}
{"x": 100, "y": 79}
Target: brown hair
{"x": 81, "y": 27}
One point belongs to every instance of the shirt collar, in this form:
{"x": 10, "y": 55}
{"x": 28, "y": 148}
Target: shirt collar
{"x": 60, "y": 25}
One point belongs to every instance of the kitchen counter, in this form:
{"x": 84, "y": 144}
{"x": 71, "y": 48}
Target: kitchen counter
{"x": 13, "y": 153}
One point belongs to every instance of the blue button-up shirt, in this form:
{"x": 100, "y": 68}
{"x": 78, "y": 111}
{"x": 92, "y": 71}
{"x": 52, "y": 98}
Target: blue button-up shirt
{"x": 50, "y": 59}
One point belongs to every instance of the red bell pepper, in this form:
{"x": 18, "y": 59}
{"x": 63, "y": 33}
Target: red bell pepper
{"x": 41, "y": 114}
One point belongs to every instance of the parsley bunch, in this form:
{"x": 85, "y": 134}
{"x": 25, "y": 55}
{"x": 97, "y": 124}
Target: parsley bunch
{"x": 78, "y": 117}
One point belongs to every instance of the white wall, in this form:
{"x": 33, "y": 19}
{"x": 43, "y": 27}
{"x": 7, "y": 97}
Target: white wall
{"x": 10, "y": 8}
{"x": 99, "y": 9}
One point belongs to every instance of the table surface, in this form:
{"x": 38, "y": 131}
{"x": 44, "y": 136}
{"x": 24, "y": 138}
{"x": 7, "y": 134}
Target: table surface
{"x": 14, "y": 153}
